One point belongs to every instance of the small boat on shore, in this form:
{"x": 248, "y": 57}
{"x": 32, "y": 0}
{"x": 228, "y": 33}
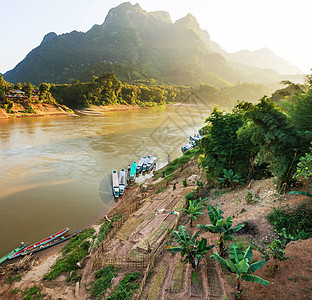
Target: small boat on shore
{"x": 17, "y": 249}
{"x": 132, "y": 171}
{"x": 140, "y": 165}
{"x": 115, "y": 183}
{"x": 122, "y": 181}
{"x": 59, "y": 240}
{"x": 151, "y": 163}
{"x": 40, "y": 243}
{"x": 147, "y": 159}
{"x": 188, "y": 146}
{"x": 128, "y": 172}
{"x": 195, "y": 138}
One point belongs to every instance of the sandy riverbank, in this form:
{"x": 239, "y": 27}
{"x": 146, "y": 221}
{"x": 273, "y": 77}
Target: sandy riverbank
{"x": 38, "y": 110}
{"x": 99, "y": 110}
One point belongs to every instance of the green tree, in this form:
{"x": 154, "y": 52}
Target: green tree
{"x": 43, "y": 90}
{"x": 223, "y": 148}
{"x": 220, "y": 226}
{"x": 190, "y": 247}
{"x": 4, "y": 87}
{"x": 240, "y": 264}
{"x": 194, "y": 210}
{"x": 27, "y": 87}
{"x": 278, "y": 141}
{"x": 18, "y": 86}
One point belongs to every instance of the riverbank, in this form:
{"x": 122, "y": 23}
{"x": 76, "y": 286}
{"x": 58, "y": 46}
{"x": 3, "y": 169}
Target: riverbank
{"x": 137, "y": 241}
{"x": 19, "y": 110}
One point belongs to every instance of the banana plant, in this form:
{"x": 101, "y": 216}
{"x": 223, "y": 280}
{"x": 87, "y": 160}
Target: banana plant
{"x": 220, "y": 226}
{"x": 194, "y": 210}
{"x": 229, "y": 178}
{"x": 240, "y": 264}
{"x": 190, "y": 247}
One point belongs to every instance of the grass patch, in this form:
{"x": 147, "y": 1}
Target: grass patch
{"x": 162, "y": 190}
{"x": 33, "y": 293}
{"x": 126, "y": 287}
{"x": 74, "y": 252}
{"x": 10, "y": 279}
{"x": 295, "y": 222}
{"x": 103, "y": 281}
{"x": 173, "y": 165}
{"x": 74, "y": 277}
{"x": 166, "y": 178}
{"x": 77, "y": 240}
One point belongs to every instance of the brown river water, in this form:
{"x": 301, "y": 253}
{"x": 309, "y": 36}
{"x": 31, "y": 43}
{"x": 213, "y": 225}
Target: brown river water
{"x": 56, "y": 171}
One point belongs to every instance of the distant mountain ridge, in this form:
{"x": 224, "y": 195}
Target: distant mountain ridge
{"x": 264, "y": 59}
{"x": 135, "y": 44}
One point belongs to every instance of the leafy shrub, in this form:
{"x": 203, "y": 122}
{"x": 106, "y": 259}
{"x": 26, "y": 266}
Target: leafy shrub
{"x": 184, "y": 182}
{"x": 127, "y": 286}
{"x": 33, "y": 293}
{"x": 103, "y": 281}
{"x": 190, "y": 196}
{"x": 11, "y": 279}
{"x": 69, "y": 262}
{"x": 229, "y": 178}
{"x": 73, "y": 252}
{"x": 77, "y": 240}
{"x": 294, "y": 222}
{"x": 30, "y": 110}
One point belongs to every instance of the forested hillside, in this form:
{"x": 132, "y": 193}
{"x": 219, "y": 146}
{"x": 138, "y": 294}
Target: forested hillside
{"x": 137, "y": 45}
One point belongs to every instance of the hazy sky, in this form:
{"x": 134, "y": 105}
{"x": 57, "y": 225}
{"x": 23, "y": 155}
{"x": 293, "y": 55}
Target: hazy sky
{"x": 281, "y": 25}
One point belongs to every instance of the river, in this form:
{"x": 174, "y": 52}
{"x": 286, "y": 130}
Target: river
{"x": 56, "y": 171}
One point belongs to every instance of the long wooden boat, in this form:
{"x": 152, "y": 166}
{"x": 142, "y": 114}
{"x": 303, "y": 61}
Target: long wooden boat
{"x": 122, "y": 181}
{"x": 144, "y": 168}
{"x": 115, "y": 184}
{"x": 128, "y": 172}
{"x": 59, "y": 240}
{"x": 140, "y": 165}
{"x": 40, "y": 243}
{"x": 17, "y": 249}
{"x": 132, "y": 171}
{"x": 188, "y": 146}
{"x": 151, "y": 163}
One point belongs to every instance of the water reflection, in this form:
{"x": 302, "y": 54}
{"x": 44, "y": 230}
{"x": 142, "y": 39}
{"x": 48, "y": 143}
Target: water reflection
{"x": 56, "y": 171}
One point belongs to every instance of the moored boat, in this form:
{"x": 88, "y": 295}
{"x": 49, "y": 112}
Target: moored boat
{"x": 132, "y": 171}
{"x": 128, "y": 172}
{"x": 122, "y": 181}
{"x": 188, "y": 146}
{"x": 59, "y": 240}
{"x": 40, "y": 243}
{"x": 140, "y": 165}
{"x": 195, "y": 138}
{"x": 17, "y": 249}
{"x": 151, "y": 163}
{"x": 115, "y": 183}
{"x": 144, "y": 168}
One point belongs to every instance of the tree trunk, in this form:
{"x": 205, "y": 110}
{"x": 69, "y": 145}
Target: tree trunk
{"x": 238, "y": 289}
{"x": 221, "y": 246}
{"x": 191, "y": 223}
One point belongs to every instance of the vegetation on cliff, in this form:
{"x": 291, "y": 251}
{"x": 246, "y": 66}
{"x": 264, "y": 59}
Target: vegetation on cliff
{"x": 259, "y": 140}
